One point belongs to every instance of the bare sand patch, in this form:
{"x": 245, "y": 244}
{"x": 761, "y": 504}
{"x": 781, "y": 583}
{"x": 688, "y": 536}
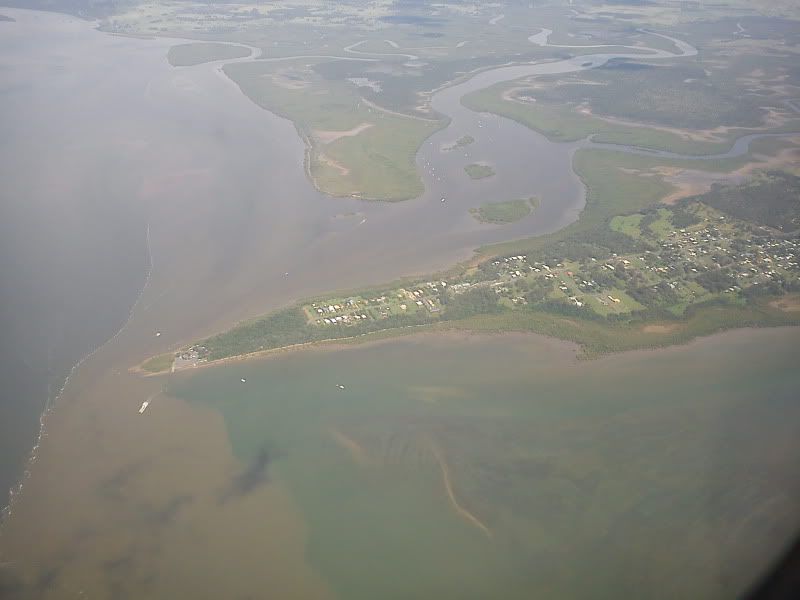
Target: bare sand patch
{"x": 289, "y": 79}
{"x": 327, "y": 160}
{"x": 355, "y": 449}
{"x": 787, "y": 304}
{"x": 460, "y": 510}
{"x": 326, "y": 137}
{"x": 690, "y": 182}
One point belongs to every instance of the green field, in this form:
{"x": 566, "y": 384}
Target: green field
{"x": 186, "y": 55}
{"x": 158, "y": 364}
{"x": 354, "y": 148}
{"x": 478, "y": 171}
{"x": 509, "y": 211}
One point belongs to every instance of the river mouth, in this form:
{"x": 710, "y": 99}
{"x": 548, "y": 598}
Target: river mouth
{"x": 179, "y": 153}
{"x": 236, "y": 230}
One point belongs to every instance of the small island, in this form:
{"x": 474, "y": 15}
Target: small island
{"x": 500, "y": 213}
{"x": 479, "y": 171}
{"x": 464, "y": 140}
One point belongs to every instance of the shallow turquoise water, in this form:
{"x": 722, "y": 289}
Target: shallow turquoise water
{"x": 652, "y": 474}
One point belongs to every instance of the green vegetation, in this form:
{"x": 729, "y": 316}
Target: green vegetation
{"x": 654, "y": 276}
{"x": 158, "y": 364}
{"x": 746, "y": 202}
{"x": 355, "y": 148}
{"x": 478, "y": 171}
{"x": 465, "y": 140}
{"x": 186, "y": 55}
{"x": 679, "y": 95}
{"x": 617, "y": 183}
{"x": 504, "y": 212}
{"x": 564, "y": 124}
{"x": 699, "y": 106}
{"x": 461, "y": 142}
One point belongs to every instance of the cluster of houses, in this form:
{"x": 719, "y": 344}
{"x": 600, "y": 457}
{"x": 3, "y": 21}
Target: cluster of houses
{"x": 753, "y": 259}
{"x": 677, "y": 259}
{"x": 356, "y": 309}
{"x": 347, "y": 312}
{"x": 190, "y": 357}
{"x": 681, "y": 256}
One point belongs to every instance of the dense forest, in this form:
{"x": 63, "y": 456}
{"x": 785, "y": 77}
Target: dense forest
{"x": 773, "y": 199}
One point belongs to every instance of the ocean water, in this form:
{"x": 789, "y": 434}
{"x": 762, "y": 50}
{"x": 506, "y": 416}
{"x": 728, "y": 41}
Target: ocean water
{"x": 476, "y": 467}
{"x": 73, "y": 252}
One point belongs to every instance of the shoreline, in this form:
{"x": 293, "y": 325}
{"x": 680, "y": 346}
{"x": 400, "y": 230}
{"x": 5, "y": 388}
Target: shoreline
{"x": 466, "y": 333}
{"x": 15, "y": 490}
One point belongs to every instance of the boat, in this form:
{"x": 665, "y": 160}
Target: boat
{"x": 144, "y": 406}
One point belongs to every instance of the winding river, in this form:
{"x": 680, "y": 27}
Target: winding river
{"x": 236, "y": 227}
{"x": 525, "y": 162}
{"x": 148, "y": 206}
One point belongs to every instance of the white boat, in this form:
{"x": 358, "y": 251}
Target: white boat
{"x": 144, "y": 406}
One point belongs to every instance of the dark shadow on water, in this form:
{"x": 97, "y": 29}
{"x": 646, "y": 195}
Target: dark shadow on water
{"x": 112, "y": 487}
{"x": 170, "y": 510}
{"x": 254, "y": 475}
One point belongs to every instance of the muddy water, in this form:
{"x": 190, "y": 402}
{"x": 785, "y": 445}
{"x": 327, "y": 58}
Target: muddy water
{"x": 500, "y": 466}
{"x": 117, "y": 504}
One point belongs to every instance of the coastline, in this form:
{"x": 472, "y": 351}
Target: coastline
{"x": 14, "y": 492}
{"x": 450, "y": 330}
{"x": 104, "y": 462}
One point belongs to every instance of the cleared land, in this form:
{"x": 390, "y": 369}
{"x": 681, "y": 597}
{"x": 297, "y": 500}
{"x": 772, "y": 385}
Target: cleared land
{"x": 162, "y": 362}
{"x": 187, "y": 55}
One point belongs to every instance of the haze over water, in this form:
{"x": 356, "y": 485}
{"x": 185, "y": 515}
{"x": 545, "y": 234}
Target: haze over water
{"x": 103, "y": 139}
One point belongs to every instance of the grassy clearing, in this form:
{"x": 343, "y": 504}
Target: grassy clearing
{"x": 478, "y": 171}
{"x": 503, "y": 212}
{"x": 187, "y": 55}
{"x": 158, "y": 364}
{"x": 629, "y": 225}
{"x": 377, "y": 163}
